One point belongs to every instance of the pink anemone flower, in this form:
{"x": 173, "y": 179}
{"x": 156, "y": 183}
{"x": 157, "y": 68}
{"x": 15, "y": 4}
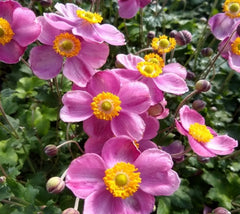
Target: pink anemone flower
{"x": 129, "y": 8}
{"x": 122, "y": 180}
{"x": 223, "y": 24}
{"x": 159, "y": 78}
{"x": 203, "y": 140}
{"x": 96, "y": 139}
{"x": 106, "y": 102}
{"x": 85, "y": 24}
{"x": 18, "y": 29}
{"x": 79, "y": 58}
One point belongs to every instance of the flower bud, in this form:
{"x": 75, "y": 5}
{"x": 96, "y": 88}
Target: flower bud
{"x": 173, "y": 33}
{"x": 51, "y": 150}
{"x": 206, "y": 52}
{"x": 220, "y": 210}
{"x": 203, "y": 20}
{"x": 198, "y": 105}
{"x": 155, "y": 110}
{"x": 45, "y": 3}
{"x": 151, "y": 35}
{"x": 70, "y": 211}
{"x": 55, "y": 185}
{"x": 2, "y": 179}
{"x": 176, "y": 150}
{"x": 183, "y": 37}
{"x": 190, "y": 75}
{"x": 202, "y": 85}
{"x": 202, "y": 159}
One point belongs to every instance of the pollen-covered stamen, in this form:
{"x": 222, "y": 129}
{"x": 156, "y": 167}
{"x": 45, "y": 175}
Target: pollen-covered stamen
{"x": 163, "y": 44}
{"x": 122, "y": 180}
{"x": 6, "y": 32}
{"x": 232, "y": 8}
{"x": 106, "y": 106}
{"x": 92, "y": 18}
{"x": 67, "y": 45}
{"x": 149, "y": 69}
{"x": 236, "y": 46}
{"x": 154, "y": 58}
{"x": 200, "y": 133}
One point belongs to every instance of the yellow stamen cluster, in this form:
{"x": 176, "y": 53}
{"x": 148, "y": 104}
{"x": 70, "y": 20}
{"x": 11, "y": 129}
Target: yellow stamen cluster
{"x": 122, "y": 180}
{"x": 232, "y": 8}
{"x": 92, "y": 18}
{"x": 162, "y": 44}
{"x": 67, "y": 45}
{"x": 6, "y": 32}
{"x": 106, "y": 106}
{"x": 200, "y": 133}
{"x": 154, "y": 58}
{"x": 149, "y": 69}
{"x": 236, "y": 46}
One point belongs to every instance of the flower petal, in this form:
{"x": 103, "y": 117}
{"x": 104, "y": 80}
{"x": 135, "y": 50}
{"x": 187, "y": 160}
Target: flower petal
{"x": 234, "y": 61}
{"x": 77, "y": 106}
{"x": 44, "y": 62}
{"x": 175, "y": 68}
{"x": 128, "y": 8}
{"x": 7, "y": 9}
{"x": 152, "y": 126}
{"x": 146, "y": 144}
{"x": 95, "y": 144}
{"x": 85, "y": 175}
{"x": 129, "y": 61}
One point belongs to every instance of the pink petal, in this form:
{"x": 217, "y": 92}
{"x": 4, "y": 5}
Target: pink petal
{"x": 152, "y": 126}
{"x": 85, "y": 175}
{"x": 7, "y": 9}
{"x": 157, "y": 178}
{"x": 171, "y": 83}
{"x": 77, "y": 106}
{"x": 180, "y": 128}
{"x": 129, "y": 61}
{"x": 189, "y": 116}
{"x": 67, "y": 10}
{"x": 146, "y": 144}
{"x": 119, "y": 149}
{"x": 129, "y": 124}
{"x": 11, "y": 52}
{"x": 222, "y": 145}
{"x": 234, "y": 61}
{"x": 24, "y": 26}
{"x": 45, "y": 62}
{"x": 128, "y": 8}
{"x": 78, "y": 71}
{"x": 95, "y": 144}
{"x": 125, "y": 75}
{"x": 175, "y": 68}
{"x": 144, "y": 3}
{"x": 134, "y": 97}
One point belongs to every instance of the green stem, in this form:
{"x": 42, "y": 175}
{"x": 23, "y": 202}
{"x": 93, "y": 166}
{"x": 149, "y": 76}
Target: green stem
{"x": 141, "y": 28}
{"x": 28, "y": 159}
{"x": 3, "y": 171}
{"x": 12, "y": 202}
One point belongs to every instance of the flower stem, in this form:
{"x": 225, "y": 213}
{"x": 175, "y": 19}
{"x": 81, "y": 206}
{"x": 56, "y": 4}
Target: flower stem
{"x": 71, "y": 141}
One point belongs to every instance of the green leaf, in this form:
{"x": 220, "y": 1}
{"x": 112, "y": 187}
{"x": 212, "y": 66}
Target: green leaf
{"x": 163, "y": 206}
{"x": 7, "y": 154}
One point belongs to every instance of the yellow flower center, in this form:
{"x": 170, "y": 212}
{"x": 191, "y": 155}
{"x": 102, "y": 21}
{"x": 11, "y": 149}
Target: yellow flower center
{"x": 106, "y": 106}
{"x": 236, "y": 46}
{"x": 149, "y": 69}
{"x": 154, "y": 58}
{"x": 162, "y": 44}
{"x": 200, "y": 132}
{"x": 67, "y": 45}
{"x": 232, "y": 8}
{"x": 90, "y": 17}
{"x": 6, "y": 32}
{"x": 122, "y": 180}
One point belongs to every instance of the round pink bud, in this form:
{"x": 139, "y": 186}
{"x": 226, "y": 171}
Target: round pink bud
{"x": 183, "y": 37}
{"x": 221, "y": 210}
{"x": 2, "y": 179}
{"x": 151, "y": 35}
{"x": 206, "y": 52}
{"x": 198, "y": 105}
{"x": 51, "y": 150}
{"x": 70, "y": 211}
{"x": 202, "y": 85}
{"x": 190, "y": 75}
{"x": 173, "y": 33}
{"x": 55, "y": 185}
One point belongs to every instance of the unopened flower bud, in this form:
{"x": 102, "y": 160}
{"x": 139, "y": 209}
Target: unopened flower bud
{"x": 198, "y": 105}
{"x": 213, "y": 108}
{"x": 220, "y": 210}
{"x": 55, "y": 185}
{"x": 202, "y": 85}
{"x": 2, "y": 179}
{"x": 190, "y": 75}
{"x": 203, "y": 19}
{"x": 51, "y": 150}
{"x": 70, "y": 211}
{"x": 45, "y": 3}
{"x": 173, "y": 33}
{"x": 151, "y": 35}
{"x": 206, "y": 52}
{"x": 183, "y": 37}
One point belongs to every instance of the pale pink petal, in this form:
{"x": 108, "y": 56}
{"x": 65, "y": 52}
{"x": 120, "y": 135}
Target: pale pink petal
{"x": 134, "y": 97}
{"x": 129, "y": 61}
{"x": 224, "y": 49}
{"x": 128, "y": 8}
{"x": 110, "y": 34}
{"x": 11, "y": 52}
{"x": 103, "y": 202}
{"x": 77, "y": 106}
{"x": 129, "y": 124}
{"x": 180, "y": 128}
{"x": 189, "y": 116}
{"x": 171, "y": 83}
{"x": 157, "y": 179}
{"x": 175, "y": 68}
{"x": 85, "y": 175}
{"x": 78, "y": 71}
{"x": 67, "y": 10}
{"x": 222, "y": 145}
{"x": 24, "y": 26}
{"x": 45, "y": 62}
{"x": 119, "y": 149}
{"x": 234, "y": 61}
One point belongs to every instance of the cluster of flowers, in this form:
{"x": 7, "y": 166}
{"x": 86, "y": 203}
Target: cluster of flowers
{"x": 119, "y": 107}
